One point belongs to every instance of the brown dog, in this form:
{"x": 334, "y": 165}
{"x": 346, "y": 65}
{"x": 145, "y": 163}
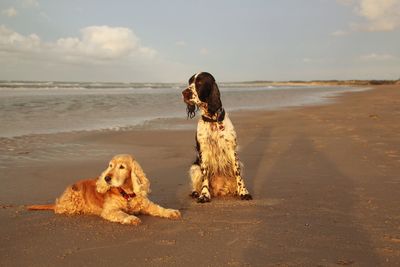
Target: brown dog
{"x": 119, "y": 192}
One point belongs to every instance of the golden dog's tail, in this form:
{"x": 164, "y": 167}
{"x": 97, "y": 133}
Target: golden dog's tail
{"x": 41, "y": 207}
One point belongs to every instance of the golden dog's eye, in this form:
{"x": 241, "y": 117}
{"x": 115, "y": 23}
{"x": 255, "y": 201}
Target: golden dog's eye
{"x": 110, "y": 165}
{"x": 122, "y": 167}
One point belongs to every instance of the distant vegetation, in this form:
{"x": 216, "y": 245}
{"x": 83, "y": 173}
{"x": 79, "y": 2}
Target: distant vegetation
{"x": 121, "y": 85}
{"x": 327, "y": 82}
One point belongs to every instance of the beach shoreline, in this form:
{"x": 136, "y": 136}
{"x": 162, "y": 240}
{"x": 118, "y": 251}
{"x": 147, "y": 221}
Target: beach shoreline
{"x": 38, "y": 110}
{"x": 324, "y": 180}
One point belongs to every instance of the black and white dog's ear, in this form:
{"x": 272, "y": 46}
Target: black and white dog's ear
{"x": 191, "y": 111}
{"x": 214, "y": 99}
{"x": 191, "y": 79}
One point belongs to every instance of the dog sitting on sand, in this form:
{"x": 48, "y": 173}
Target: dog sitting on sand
{"x": 119, "y": 192}
{"x": 216, "y": 171}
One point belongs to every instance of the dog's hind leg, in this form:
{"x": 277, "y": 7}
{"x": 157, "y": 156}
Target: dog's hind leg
{"x": 196, "y": 178}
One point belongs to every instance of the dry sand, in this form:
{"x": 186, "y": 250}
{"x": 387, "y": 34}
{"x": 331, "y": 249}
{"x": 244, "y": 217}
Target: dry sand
{"x": 325, "y": 182}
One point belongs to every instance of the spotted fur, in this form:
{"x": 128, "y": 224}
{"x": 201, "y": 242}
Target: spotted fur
{"x": 217, "y": 169}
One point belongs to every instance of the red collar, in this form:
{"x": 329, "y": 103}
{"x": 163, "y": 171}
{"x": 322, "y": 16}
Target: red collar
{"x": 219, "y": 118}
{"x": 125, "y": 194}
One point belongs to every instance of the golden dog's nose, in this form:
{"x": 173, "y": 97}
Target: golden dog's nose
{"x": 107, "y": 179}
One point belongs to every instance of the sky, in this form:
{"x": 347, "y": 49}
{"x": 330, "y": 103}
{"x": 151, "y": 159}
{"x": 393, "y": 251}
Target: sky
{"x": 169, "y": 40}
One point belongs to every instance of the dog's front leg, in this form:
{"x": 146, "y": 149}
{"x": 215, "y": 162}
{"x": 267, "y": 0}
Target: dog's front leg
{"x": 240, "y": 186}
{"x": 153, "y": 209}
{"x": 205, "y": 195}
{"x": 117, "y": 215}
{"x": 200, "y": 183}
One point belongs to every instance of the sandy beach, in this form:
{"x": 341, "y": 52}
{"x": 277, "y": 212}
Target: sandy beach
{"x": 325, "y": 181}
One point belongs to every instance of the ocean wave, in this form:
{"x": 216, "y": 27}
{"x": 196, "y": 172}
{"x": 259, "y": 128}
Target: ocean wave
{"x": 84, "y": 85}
{"x": 54, "y": 85}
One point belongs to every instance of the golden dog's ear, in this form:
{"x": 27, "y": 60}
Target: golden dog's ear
{"x": 140, "y": 183}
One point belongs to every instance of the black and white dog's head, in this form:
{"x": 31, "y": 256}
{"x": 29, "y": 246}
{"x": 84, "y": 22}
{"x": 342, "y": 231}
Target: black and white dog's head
{"x": 202, "y": 93}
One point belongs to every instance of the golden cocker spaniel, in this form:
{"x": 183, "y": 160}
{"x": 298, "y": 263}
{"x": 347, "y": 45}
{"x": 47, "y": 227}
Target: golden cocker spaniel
{"x": 119, "y": 193}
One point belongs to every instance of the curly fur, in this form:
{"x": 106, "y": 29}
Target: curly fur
{"x": 117, "y": 195}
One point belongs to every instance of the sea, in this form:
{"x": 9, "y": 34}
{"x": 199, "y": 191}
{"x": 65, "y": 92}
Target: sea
{"x": 31, "y": 108}
{"x": 40, "y": 120}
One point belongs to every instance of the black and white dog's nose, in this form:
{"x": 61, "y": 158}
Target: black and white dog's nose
{"x": 187, "y": 94}
{"x": 107, "y": 179}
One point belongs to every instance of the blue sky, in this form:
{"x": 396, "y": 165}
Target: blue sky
{"x": 167, "y": 41}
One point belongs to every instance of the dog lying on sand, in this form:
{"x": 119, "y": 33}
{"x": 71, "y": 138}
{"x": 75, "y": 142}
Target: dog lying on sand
{"x": 119, "y": 193}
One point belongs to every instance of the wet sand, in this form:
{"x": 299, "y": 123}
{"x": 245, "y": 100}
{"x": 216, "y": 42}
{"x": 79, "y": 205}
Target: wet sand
{"x": 325, "y": 182}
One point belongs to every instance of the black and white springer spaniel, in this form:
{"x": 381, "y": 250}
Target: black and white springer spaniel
{"x": 216, "y": 171}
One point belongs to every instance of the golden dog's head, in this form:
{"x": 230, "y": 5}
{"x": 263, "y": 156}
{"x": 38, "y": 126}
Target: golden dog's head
{"x": 123, "y": 171}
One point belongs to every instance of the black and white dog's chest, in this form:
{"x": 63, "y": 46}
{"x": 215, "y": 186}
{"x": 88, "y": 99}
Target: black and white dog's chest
{"x": 217, "y": 147}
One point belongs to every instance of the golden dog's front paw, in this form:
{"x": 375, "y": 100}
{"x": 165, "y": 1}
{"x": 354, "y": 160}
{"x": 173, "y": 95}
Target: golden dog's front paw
{"x": 173, "y": 214}
{"x": 131, "y": 220}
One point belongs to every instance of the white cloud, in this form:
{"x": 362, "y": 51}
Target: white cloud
{"x": 10, "y": 12}
{"x": 96, "y": 43}
{"x": 180, "y": 43}
{"x": 377, "y": 57}
{"x": 104, "y": 42}
{"x": 378, "y": 15}
{"x": 382, "y": 15}
{"x": 100, "y": 53}
{"x": 375, "y": 9}
{"x": 11, "y": 41}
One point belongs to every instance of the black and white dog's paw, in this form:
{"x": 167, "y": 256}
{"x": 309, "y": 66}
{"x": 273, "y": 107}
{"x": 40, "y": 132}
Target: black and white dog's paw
{"x": 246, "y": 197}
{"x": 203, "y": 199}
